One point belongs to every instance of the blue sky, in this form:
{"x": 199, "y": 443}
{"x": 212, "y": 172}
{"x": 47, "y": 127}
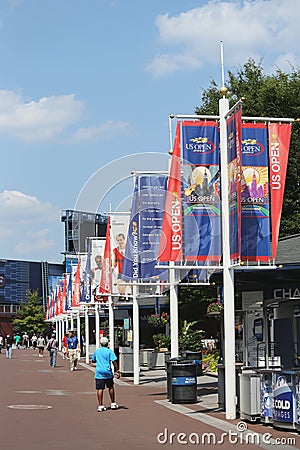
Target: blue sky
{"x": 87, "y": 85}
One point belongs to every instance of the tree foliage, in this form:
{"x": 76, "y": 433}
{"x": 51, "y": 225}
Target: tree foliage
{"x": 275, "y": 95}
{"x": 31, "y": 316}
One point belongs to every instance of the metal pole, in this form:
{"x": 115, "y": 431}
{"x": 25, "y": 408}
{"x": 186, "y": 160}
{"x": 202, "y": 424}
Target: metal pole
{"x": 173, "y": 311}
{"x": 87, "y": 335}
{"x": 111, "y": 323}
{"x": 97, "y": 325}
{"x": 228, "y": 274}
{"x": 136, "y": 335}
{"x": 78, "y": 329}
{"x": 59, "y": 337}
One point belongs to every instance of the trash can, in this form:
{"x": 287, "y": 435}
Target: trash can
{"x": 196, "y": 357}
{"x": 183, "y": 382}
{"x": 126, "y": 360}
{"x": 169, "y": 363}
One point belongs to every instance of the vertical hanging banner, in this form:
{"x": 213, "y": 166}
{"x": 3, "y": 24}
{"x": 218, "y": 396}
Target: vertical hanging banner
{"x": 152, "y": 201}
{"x": 255, "y": 194}
{"x": 97, "y": 251}
{"x": 87, "y": 279}
{"x": 69, "y": 291}
{"x": 279, "y": 142}
{"x": 77, "y": 288}
{"x": 234, "y": 142}
{"x": 170, "y": 247}
{"x": 131, "y": 264}
{"x": 201, "y": 195}
{"x": 106, "y": 276}
{"x": 119, "y": 231}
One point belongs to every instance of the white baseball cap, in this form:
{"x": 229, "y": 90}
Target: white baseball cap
{"x": 104, "y": 340}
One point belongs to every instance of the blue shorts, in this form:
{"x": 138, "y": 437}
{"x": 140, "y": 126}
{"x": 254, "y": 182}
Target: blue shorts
{"x": 102, "y": 382}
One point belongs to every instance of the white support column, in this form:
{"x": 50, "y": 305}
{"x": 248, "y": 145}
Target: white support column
{"x": 87, "y": 335}
{"x": 72, "y": 321}
{"x": 97, "y": 325}
{"x": 59, "y": 337}
{"x": 136, "y": 334}
{"x": 78, "y": 329}
{"x": 173, "y": 312}
{"x": 228, "y": 274}
{"x": 111, "y": 324}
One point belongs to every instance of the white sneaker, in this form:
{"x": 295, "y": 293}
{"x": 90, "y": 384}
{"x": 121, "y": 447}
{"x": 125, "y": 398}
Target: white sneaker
{"x": 101, "y": 408}
{"x": 72, "y": 368}
{"x": 114, "y": 406}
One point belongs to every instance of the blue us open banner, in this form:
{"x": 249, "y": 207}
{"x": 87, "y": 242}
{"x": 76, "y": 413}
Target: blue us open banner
{"x": 152, "y": 200}
{"x": 255, "y": 194}
{"x": 201, "y": 190}
{"x": 145, "y": 226}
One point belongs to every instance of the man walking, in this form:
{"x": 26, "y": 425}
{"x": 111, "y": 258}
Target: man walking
{"x": 104, "y": 357}
{"x": 8, "y": 346}
{"x": 73, "y": 349}
{"x": 52, "y": 347}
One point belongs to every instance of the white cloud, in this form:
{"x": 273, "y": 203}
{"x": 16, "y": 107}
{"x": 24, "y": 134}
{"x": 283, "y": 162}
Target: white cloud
{"x": 34, "y": 243}
{"x": 25, "y": 226}
{"x": 37, "y": 120}
{"x": 24, "y": 208}
{"x": 106, "y": 130}
{"x": 250, "y": 28}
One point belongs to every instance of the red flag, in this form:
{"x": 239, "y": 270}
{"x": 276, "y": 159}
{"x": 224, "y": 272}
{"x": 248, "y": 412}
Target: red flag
{"x": 279, "y": 142}
{"x": 170, "y": 248}
{"x": 76, "y": 292}
{"x": 106, "y": 278}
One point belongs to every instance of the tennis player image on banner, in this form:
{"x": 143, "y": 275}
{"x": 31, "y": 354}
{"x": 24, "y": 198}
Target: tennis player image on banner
{"x": 201, "y": 191}
{"x": 96, "y": 258}
{"x": 119, "y": 231}
{"x": 255, "y": 194}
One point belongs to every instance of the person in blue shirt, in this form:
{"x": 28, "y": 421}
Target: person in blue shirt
{"x": 73, "y": 350}
{"x": 105, "y": 358}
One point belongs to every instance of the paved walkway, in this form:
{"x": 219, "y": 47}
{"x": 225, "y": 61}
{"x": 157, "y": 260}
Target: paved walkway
{"x": 45, "y": 408}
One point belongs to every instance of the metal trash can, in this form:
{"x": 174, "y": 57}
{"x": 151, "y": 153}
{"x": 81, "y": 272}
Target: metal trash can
{"x": 196, "y": 357}
{"x": 184, "y": 382}
{"x": 126, "y": 360}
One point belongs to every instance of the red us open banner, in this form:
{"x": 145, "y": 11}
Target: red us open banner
{"x": 170, "y": 248}
{"x": 279, "y": 142}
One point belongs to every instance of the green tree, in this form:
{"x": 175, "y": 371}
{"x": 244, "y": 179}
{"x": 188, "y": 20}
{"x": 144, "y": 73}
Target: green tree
{"x": 31, "y": 316}
{"x": 274, "y": 95}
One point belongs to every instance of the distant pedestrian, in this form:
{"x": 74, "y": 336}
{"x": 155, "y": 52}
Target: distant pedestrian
{"x": 65, "y": 345}
{"x": 34, "y": 341}
{"x": 104, "y": 358}
{"x": 25, "y": 340}
{"x": 8, "y": 346}
{"x": 73, "y": 350}
{"x": 52, "y": 346}
{"x": 17, "y": 340}
{"x": 1, "y": 343}
{"x": 41, "y": 345}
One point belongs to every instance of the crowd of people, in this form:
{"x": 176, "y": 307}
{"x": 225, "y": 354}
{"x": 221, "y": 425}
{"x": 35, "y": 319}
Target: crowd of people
{"x": 104, "y": 358}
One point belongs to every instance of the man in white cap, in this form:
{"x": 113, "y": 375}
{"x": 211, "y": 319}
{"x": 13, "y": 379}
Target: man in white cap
{"x": 104, "y": 358}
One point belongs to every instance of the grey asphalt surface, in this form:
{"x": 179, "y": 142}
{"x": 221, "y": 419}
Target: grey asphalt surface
{"x": 45, "y": 408}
